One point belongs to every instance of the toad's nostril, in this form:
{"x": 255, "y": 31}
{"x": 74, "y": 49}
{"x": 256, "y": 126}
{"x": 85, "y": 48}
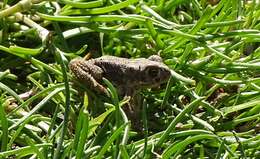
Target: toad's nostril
{"x": 157, "y": 80}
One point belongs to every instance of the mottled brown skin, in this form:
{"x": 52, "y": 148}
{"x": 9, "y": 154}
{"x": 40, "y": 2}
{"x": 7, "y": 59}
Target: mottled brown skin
{"x": 128, "y": 75}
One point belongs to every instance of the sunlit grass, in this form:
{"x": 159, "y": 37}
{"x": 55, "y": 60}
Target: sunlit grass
{"x": 208, "y": 109}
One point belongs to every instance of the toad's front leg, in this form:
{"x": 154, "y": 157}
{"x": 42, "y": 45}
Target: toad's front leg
{"x": 88, "y": 73}
{"x": 133, "y": 107}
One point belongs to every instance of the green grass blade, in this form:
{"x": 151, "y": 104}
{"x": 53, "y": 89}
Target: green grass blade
{"x": 4, "y": 126}
{"x": 177, "y": 119}
{"x": 112, "y": 138}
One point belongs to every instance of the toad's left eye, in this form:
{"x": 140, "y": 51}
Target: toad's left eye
{"x": 153, "y": 72}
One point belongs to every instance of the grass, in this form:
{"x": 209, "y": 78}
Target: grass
{"x": 208, "y": 109}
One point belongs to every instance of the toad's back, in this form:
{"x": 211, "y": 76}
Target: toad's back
{"x": 122, "y": 71}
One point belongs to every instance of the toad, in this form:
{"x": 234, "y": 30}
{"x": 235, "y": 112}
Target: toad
{"x": 128, "y": 75}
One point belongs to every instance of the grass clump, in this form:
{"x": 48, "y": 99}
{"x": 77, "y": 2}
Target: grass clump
{"x": 208, "y": 109}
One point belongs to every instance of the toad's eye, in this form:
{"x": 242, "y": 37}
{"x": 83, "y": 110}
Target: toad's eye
{"x": 152, "y": 72}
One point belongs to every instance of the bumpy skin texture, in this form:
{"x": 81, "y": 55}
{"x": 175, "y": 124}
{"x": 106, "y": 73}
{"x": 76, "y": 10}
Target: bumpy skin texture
{"x": 125, "y": 73}
{"x": 128, "y": 75}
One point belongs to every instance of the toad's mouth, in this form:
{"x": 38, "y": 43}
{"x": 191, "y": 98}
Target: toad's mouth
{"x": 150, "y": 84}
